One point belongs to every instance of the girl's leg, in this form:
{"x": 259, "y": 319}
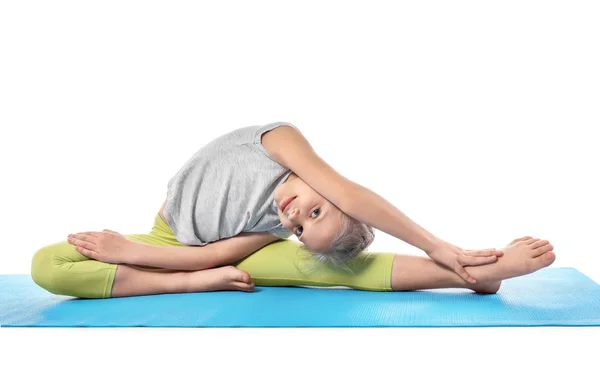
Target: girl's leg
{"x": 410, "y": 273}
{"x": 286, "y": 263}
{"x": 132, "y": 281}
{"x": 521, "y": 257}
{"x": 60, "y": 269}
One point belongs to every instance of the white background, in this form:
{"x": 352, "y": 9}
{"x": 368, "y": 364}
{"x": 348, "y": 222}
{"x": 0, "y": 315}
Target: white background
{"x": 477, "y": 119}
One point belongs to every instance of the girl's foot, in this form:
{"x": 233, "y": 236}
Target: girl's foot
{"x": 522, "y": 256}
{"x": 226, "y": 278}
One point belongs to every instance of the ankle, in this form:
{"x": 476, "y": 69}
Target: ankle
{"x": 181, "y": 282}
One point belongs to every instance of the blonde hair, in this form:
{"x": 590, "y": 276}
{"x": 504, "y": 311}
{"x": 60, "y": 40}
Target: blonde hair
{"x": 354, "y": 238}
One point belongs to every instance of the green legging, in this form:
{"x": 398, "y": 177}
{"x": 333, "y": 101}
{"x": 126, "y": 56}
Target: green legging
{"x": 61, "y": 270}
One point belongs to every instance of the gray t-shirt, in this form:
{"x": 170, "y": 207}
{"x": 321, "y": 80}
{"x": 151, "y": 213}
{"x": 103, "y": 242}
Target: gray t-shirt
{"x": 226, "y": 188}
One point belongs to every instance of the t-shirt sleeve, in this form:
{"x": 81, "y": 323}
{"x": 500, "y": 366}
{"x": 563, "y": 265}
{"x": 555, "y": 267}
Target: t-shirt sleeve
{"x": 280, "y": 232}
{"x": 265, "y": 128}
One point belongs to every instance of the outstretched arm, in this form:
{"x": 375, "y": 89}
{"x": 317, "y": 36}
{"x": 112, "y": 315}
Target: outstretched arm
{"x": 289, "y": 147}
{"x": 374, "y": 210}
{"x": 292, "y": 150}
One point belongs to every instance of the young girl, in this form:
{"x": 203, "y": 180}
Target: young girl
{"x": 226, "y": 219}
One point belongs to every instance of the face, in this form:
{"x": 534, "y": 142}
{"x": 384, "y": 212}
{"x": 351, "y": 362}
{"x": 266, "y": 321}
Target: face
{"x": 310, "y": 216}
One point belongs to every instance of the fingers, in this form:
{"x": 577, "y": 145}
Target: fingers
{"x": 464, "y": 274}
{"x": 86, "y": 245}
{"x": 467, "y": 260}
{"x": 81, "y": 238}
{"x": 83, "y": 244}
{"x": 87, "y": 252}
{"x": 90, "y": 235}
{"x": 86, "y": 233}
{"x": 482, "y": 253}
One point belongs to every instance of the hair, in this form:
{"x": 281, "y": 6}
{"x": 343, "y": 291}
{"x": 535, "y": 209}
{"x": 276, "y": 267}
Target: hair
{"x": 353, "y": 239}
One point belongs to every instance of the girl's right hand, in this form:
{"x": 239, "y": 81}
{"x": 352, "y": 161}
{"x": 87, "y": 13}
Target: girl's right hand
{"x": 455, "y": 258}
{"x": 107, "y": 246}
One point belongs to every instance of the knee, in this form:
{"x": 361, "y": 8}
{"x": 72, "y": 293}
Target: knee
{"x": 45, "y": 270}
{"x": 41, "y": 267}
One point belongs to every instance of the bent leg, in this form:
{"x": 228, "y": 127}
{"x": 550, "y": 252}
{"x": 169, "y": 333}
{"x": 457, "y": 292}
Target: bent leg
{"x": 62, "y": 270}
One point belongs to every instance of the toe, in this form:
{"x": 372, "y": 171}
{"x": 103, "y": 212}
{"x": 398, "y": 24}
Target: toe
{"x": 248, "y": 287}
{"x": 544, "y": 249}
{"x": 243, "y": 277}
{"x": 539, "y": 243}
{"x": 549, "y": 257}
{"x": 540, "y": 247}
{"x": 520, "y": 239}
{"x": 542, "y": 261}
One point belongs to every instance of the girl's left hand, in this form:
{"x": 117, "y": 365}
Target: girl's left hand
{"x": 106, "y": 246}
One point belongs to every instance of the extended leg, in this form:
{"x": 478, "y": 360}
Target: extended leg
{"x": 521, "y": 257}
{"x": 410, "y": 273}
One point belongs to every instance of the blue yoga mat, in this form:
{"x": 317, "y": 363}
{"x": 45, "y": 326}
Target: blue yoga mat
{"x": 549, "y": 297}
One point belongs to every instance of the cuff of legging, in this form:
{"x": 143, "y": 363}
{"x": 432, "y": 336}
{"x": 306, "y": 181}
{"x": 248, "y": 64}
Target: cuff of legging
{"x": 388, "y": 275}
{"x": 110, "y": 279}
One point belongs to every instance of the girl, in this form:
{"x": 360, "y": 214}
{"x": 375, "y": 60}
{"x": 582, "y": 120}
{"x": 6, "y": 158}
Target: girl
{"x": 226, "y": 219}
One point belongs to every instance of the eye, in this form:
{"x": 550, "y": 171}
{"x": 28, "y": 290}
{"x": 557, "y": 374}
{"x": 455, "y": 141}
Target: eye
{"x": 318, "y": 211}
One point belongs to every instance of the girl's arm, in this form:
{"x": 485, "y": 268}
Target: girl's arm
{"x": 292, "y": 150}
{"x": 193, "y": 258}
{"x": 374, "y": 210}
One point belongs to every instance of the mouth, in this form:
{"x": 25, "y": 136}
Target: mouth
{"x": 285, "y": 204}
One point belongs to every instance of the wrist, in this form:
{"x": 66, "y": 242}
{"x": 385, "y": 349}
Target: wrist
{"x": 431, "y": 243}
{"x": 136, "y": 251}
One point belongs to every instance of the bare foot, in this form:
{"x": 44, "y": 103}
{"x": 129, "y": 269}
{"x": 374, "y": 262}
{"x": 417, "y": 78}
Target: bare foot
{"x": 226, "y": 278}
{"x": 522, "y": 256}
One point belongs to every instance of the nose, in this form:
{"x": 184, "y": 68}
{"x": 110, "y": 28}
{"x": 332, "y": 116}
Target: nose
{"x": 293, "y": 215}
